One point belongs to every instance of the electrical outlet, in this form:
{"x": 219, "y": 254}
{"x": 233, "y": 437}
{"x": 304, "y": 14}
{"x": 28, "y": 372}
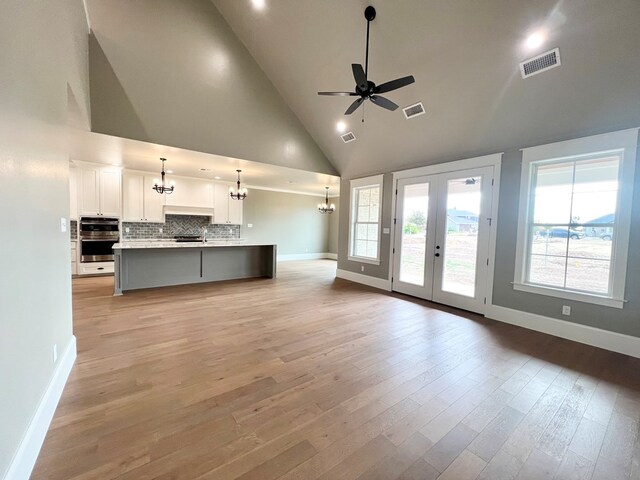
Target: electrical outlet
{"x": 566, "y": 310}
{"x": 362, "y": 268}
{"x": 55, "y": 352}
{"x": 126, "y": 229}
{"x": 385, "y": 231}
{"x": 160, "y": 230}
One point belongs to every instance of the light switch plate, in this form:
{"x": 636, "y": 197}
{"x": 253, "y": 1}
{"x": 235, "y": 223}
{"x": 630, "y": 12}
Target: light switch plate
{"x": 249, "y": 225}
{"x": 566, "y": 310}
{"x": 385, "y": 230}
{"x": 63, "y": 224}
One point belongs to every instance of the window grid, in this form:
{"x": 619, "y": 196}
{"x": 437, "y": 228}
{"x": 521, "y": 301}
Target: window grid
{"x": 571, "y": 224}
{"x": 364, "y": 200}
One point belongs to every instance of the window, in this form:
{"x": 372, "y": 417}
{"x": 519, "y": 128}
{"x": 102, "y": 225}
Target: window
{"x": 365, "y": 217}
{"x": 575, "y": 206}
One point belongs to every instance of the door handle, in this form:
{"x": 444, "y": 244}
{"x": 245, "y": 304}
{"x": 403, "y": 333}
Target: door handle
{"x": 437, "y": 254}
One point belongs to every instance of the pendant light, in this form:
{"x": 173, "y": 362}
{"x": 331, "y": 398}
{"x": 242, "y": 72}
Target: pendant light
{"x": 238, "y": 193}
{"x": 160, "y": 187}
{"x": 325, "y": 207}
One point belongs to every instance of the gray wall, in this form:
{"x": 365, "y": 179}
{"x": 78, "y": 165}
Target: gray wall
{"x": 378, "y": 271}
{"x": 334, "y": 226}
{"x": 626, "y": 321}
{"x": 174, "y": 73}
{"x": 41, "y": 51}
{"x": 291, "y": 221}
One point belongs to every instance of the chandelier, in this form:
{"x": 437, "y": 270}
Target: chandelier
{"x": 238, "y": 193}
{"x": 325, "y": 207}
{"x": 160, "y": 187}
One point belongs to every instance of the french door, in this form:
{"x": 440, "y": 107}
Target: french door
{"x": 442, "y": 231}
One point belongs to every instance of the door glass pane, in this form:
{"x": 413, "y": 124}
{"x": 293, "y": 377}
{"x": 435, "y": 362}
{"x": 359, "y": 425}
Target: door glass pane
{"x": 414, "y": 233}
{"x": 460, "y": 249}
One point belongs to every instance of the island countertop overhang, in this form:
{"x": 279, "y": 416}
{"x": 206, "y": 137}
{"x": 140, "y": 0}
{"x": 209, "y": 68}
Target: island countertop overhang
{"x": 133, "y": 245}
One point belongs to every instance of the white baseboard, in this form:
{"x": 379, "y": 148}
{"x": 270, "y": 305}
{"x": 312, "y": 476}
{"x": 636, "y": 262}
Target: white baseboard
{"x": 380, "y": 283}
{"x": 615, "y": 342}
{"x": 27, "y": 454}
{"x": 306, "y": 256}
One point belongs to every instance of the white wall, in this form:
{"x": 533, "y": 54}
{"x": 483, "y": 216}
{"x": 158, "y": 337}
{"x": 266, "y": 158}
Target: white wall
{"x": 41, "y": 52}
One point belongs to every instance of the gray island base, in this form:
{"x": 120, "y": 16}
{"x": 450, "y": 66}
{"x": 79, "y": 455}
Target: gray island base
{"x": 160, "y": 264}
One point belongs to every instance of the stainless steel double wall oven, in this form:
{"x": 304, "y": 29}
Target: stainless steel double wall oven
{"x": 97, "y": 236}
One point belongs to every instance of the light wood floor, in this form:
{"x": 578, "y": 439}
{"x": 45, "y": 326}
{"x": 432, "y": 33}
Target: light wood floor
{"x": 305, "y": 377}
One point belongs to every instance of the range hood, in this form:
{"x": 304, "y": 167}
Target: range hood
{"x": 184, "y": 210}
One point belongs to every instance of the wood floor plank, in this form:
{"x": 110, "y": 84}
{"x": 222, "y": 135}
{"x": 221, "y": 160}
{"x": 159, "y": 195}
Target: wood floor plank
{"x": 306, "y": 376}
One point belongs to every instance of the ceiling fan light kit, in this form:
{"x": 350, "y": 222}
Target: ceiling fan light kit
{"x": 365, "y": 88}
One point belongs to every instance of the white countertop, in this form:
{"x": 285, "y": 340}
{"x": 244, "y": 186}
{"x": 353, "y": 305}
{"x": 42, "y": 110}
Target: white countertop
{"x": 139, "y": 244}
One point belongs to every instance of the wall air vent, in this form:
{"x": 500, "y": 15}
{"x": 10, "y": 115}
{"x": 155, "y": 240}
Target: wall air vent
{"x": 348, "y": 137}
{"x": 413, "y": 110}
{"x": 541, "y": 63}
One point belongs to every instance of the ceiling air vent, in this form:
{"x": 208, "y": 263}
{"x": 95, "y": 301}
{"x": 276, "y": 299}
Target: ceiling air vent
{"x": 541, "y": 63}
{"x": 413, "y": 110}
{"x": 348, "y": 137}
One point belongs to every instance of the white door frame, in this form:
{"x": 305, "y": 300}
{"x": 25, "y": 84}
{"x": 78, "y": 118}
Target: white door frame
{"x": 494, "y": 160}
{"x": 426, "y": 290}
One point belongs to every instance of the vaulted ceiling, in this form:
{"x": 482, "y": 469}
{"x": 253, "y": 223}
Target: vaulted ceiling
{"x": 221, "y": 77}
{"x": 464, "y": 55}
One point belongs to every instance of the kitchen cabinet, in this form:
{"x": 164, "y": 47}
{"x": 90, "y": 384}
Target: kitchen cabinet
{"x": 74, "y": 257}
{"x": 190, "y": 192}
{"x": 140, "y": 202}
{"x": 226, "y": 210}
{"x": 73, "y": 194}
{"x": 99, "y": 191}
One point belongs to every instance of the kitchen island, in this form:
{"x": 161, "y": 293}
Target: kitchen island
{"x": 156, "y": 263}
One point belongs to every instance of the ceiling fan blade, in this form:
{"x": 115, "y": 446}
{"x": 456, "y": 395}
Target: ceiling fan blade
{"x": 354, "y": 106}
{"x": 359, "y": 76}
{"x": 395, "y": 84}
{"x": 383, "y": 102}
{"x": 340, "y": 94}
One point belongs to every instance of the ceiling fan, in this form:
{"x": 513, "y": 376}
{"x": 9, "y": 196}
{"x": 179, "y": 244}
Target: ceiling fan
{"x": 365, "y": 88}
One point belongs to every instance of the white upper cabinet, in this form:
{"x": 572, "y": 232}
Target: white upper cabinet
{"x": 235, "y": 211}
{"x": 73, "y": 193}
{"x": 89, "y": 181}
{"x": 226, "y": 209}
{"x": 141, "y": 203}
{"x": 99, "y": 191}
{"x": 153, "y": 201}
{"x": 191, "y": 192}
{"x": 110, "y": 192}
{"x": 133, "y": 197}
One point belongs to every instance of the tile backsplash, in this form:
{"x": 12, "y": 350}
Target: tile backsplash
{"x": 178, "y": 225}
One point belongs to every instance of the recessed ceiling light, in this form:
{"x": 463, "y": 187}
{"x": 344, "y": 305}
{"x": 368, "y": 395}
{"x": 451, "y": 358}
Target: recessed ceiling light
{"x": 535, "y": 40}
{"x": 259, "y": 4}
{"x": 217, "y": 177}
{"x": 341, "y": 127}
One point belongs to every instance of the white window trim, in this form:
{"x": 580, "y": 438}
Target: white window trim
{"x": 625, "y": 143}
{"x": 359, "y": 183}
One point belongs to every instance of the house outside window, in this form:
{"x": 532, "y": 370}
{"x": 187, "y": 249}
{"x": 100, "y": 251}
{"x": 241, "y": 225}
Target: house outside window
{"x": 365, "y": 218}
{"x": 574, "y": 218}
